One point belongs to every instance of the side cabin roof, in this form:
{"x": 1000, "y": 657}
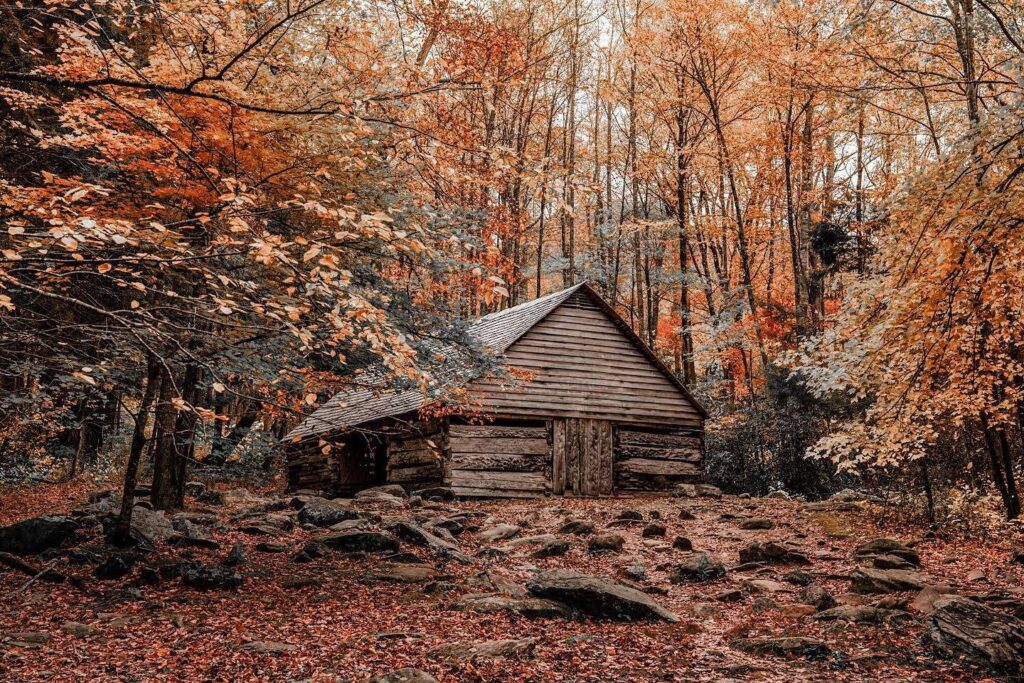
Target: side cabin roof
{"x": 496, "y": 332}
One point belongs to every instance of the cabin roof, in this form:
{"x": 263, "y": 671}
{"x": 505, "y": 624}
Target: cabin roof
{"x": 496, "y": 332}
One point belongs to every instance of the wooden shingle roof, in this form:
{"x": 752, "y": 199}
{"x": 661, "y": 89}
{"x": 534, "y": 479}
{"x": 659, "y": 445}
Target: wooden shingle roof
{"x": 495, "y": 332}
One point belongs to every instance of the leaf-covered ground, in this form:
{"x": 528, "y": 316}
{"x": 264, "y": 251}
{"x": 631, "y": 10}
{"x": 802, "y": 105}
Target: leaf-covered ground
{"x": 347, "y": 626}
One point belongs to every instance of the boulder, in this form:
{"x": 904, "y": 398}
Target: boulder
{"x": 924, "y": 602}
{"x": 490, "y": 649}
{"x": 209, "y": 577}
{"x": 682, "y": 543}
{"x": 696, "y": 567}
{"x": 411, "y": 532}
{"x": 654, "y": 530}
{"x": 391, "y": 490}
{"x": 798, "y": 577}
{"x": 959, "y": 627}
{"x": 816, "y": 596}
{"x": 360, "y": 541}
{"x": 555, "y": 547}
{"x": 868, "y": 580}
{"x": 323, "y": 513}
{"x": 406, "y": 675}
{"x": 499, "y": 532}
{"x": 531, "y": 608}
{"x": 31, "y": 536}
{"x": 861, "y": 614}
{"x": 597, "y": 597}
{"x": 888, "y": 546}
{"x": 606, "y": 543}
{"x": 150, "y": 526}
{"x": 791, "y": 646}
{"x": 577, "y": 527}
{"x": 757, "y": 523}
{"x": 116, "y": 566}
{"x": 771, "y": 553}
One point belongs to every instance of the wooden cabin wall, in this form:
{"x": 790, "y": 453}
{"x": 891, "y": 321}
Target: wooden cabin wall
{"x": 650, "y": 460}
{"x": 502, "y": 461}
{"x": 353, "y": 462}
{"x": 582, "y": 365}
{"x": 309, "y": 467}
{"x": 418, "y": 457}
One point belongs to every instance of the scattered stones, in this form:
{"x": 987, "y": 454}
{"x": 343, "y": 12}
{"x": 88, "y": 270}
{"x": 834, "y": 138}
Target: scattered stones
{"x": 637, "y": 572}
{"x": 654, "y": 530}
{"x": 959, "y": 627}
{"x": 606, "y": 543}
{"x": 577, "y": 527}
{"x": 500, "y": 532}
{"x": 729, "y": 596}
{"x": 553, "y": 548}
{"x": 207, "y": 577}
{"x": 757, "y": 523}
{"x": 437, "y": 493}
{"x": 597, "y": 597}
{"x": 686, "y": 515}
{"x": 766, "y": 586}
{"x": 771, "y": 553}
{"x": 868, "y": 580}
{"x": 816, "y": 596}
{"x": 269, "y": 647}
{"x": 696, "y": 567}
{"x": 406, "y": 675}
{"x": 236, "y": 556}
{"x": 682, "y": 543}
{"x": 797, "y": 611}
{"x": 31, "y": 536}
{"x": 360, "y": 541}
{"x": 323, "y": 513}
{"x": 630, "y": 515}
{"x": 798, "y": 577}
{"x": 150, "y": 526}
{"x": 390, "y": 490}
{"x": 490, "y": 649}
{"x": 795, "y": 646}
{"x": 861, "y": 614}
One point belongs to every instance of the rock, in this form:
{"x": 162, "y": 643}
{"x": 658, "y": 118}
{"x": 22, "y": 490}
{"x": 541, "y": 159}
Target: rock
{"x": 499, "y": 532}
{"x": 797, "y": 611}
{"x": 686, "y": 515}
{"x": 606, "y": 543}
{"x": 360, "y": 541}
{"x": 411, "y": 532}
{"x": 296, "y": 582}
{"x": 150, "y": 526}
{"x": 211, "y": 498}
{"x": 798, "y": 577}
{"x": 403, "y": 573}
{"x": 406, "y": 675}
{"x": 266, "y": 547}
{"x": 194, "y": 489}
{"x": 207, "y": 577}
{"x": 116, "y": 566}
{"x": 861, "y": 614}
{"x": 708, "y": 491}
{"x": 888, "y": 546}
{"x": 816, "y": 596}
{"x": 630, "y": 515}
{"x": 28, "y": 638}
{"x": 795, "y": 646}
{"x": 696, "y": 567}
{"x": 554, "y": 548}
{"x": 391, "y": 490}
{"x": 682, "y": 543}
{"x": 437, "y": 493}
{"x": 766, "y": 586}
{"x": 490, "y": 649}
{"x": 867, "y": 580}
{"x": 576, "y": 527}
{"x": 323, "y": 513}
{"x": 150, "y": 576}
{"x": 269, "y": 647}
{"x": 637, "y": 572}
{"x": 494, "y": 582}
{"x": 236, "y": 556}
{"x": 654, "y": 530}
{"x": 925, "y": 601}
{"x": 183, "y": 541}
{"x": 31, "y": 536}
{"x": 851, "y": 496}
{"x": 771, "y": 553}
{"x": 729, "y": 596}
{"x": 531, "y": 608}
{"x": 756, "y": 523}
{"x": 976, "y": 575}
{"x": 779, "y": 495}
{"x": 888, "y": 562}
{"x": 959, "y": 627}
{"x": 596, "y": 596}
{"x": 79, "y": 630}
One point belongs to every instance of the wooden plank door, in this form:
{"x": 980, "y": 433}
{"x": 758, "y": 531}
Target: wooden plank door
{"x": 582, "y": 457}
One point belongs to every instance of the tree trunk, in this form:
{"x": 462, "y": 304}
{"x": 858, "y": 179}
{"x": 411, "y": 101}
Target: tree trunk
{"x": 122, "y": 531}
{"x": 164, "y": 452}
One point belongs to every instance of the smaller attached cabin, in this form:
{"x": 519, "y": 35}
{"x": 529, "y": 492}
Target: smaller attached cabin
{"x": 595, "y": 413}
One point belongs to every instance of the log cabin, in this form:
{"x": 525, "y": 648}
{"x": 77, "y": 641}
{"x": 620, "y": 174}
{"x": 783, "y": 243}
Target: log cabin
{"x": 594, "y": 412}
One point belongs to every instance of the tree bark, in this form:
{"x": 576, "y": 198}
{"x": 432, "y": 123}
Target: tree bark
{"x": 122, "y": 530}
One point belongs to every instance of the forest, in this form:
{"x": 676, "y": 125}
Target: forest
{"x": 216, "y": 216}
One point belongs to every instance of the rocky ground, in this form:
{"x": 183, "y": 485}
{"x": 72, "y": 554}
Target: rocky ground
{"x": 293, "y": 588}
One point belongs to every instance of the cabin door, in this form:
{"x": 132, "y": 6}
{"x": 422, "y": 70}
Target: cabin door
{"x": 582, "y": 457}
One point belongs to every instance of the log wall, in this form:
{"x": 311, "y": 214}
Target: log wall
{"x": 418, "y": 459}
{"x": 647, "y": 460}
{"x": 500, "y": 461}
